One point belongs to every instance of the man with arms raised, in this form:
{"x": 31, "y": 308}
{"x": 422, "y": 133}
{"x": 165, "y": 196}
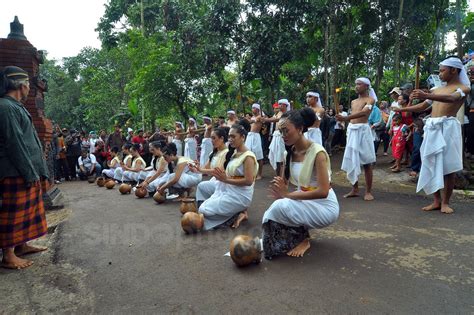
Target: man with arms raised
{"x": 360, "y": 142}
{"x": 441, "y": 150}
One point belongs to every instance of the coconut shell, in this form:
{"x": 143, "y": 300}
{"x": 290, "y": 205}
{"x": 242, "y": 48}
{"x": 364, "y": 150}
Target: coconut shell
{"x": 188, "y": 205}
{"x": 110, "y": 184}
{"x": 140, "y": 192}
{"x": 100, "y": 181}
{"x": 91, "y": 179}
{"x": 192, "y": 222}
{"x": 245, "y": 250}
{"x": 125, "y": 189}
{"x": 159, "y": 198}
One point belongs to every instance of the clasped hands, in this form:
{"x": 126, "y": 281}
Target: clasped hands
{"x": 278, "y": 188}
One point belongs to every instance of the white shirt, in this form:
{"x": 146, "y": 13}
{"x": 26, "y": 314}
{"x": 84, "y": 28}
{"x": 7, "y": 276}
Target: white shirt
{"x": 88, "y": 161}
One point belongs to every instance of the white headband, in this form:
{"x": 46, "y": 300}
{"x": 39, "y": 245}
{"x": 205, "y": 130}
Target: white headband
{"x": 231, "y": 112}
{"x": 257, "y": 106}
{"x": 179, "y": 123}
{"x": 371, "y": 90}
{"x": 454, "y": 62}
{"x": 286, "y": 102}
{"x": 206, "y": 117}
{"x": 314, "y": 94}
{"x": 193, "y": 120}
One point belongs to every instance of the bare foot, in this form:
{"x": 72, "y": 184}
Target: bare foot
{"x": 396, "y": 170}
{"x": 413, "y": 174}
{"x": 353, "y": 193}
{"x": 447, "y": 209}
{"x": 300, "y": 249}
{"x": 26, "y": 249}
{"x": 393, "y": 166}
{"x": 242, "y": 217}
{"x": 368, "y": 197}
{"x": 431, "y": 207}
{"x": 14, "y": 262}
{"x": 258, "y": 177}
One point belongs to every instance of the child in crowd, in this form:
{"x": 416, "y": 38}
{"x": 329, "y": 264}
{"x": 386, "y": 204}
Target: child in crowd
{"x": 400, "y": 134}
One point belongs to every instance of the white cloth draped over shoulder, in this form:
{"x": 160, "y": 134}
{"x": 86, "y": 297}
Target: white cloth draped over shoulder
{"x": 441, "y": 152}
{"x": 313, "y": 213}
{"x": 228, "y": 200}
{"x": 254, "y": 143}
{"x": 110, "y": 171}
{"x": 359, "y": 150}
{"x": 277, "y": 149}
{"x": 314, "y": 135}
{"x": 205, "y": 189}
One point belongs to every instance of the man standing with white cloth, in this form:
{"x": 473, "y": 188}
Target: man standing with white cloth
{"x": 313, "y": 134}
{"x": 360, "y": 141}
{"x": 277, "y": 146}
{"x": 441, "y": 150}
{"x": 254, "y": 141}
{"x": 206, "y": 144}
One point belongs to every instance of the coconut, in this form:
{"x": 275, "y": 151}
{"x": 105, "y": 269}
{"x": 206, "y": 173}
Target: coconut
{"x": 125, "y": 188}
{"x": 188, "y": 205}
{"x": 192, "y": 222}
{"x": 100, "y": 181}
{"x": 140, "y": 192}
{"x": 91, "y": 179}
{"x": 159, "y": 198}
{"x": 110, "y": 184}
{"x": 245, "y": 250}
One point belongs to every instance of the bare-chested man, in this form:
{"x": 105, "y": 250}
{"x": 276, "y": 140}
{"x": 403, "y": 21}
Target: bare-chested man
{"x": 231, "y": 118}
{"x": 441, "y": 150}
{"x": 206, "y": 144}
{"x": 277, "y": 146}
{"x": 360, "y": 142}
{"x": 179, "y": 135}
{"x": 190, "y": 144}
{"x": 313, "y": 134}
{"x": 254, "y": 141}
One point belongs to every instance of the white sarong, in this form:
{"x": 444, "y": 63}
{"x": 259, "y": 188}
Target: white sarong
{"x": 359, "y": 150}
{"x": 254, "y": 143}
{"x": 314, "y": 135}
{"x": 205, "y": 189}
{"x": 312, "y": 214}
{"x": 190, "y": 148}
{"x": 179, "y": 146}
{"x": 158, "y": 182}
{"x": 109, "y": 172}
{"x": 206, "y": 150}
{"x": 118, "y": 174}
{"x": 277, "y": 149}
{"x": 441, "y": 153}
{"x": 129, "y": 176}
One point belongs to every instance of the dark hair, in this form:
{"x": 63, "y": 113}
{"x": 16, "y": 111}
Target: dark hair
{"x": 406, "y": 97}
{"x": 222, "y": 117}
{"x": 115, "y": 149}
{"x": 158, "y": 144}
{"x": 127, "y": 146}
{"x": 135, "y": 147}
{"x": 170, "y": 149}
{"x": 242, "y": 128}
{"x": 221, "y": 133}
{"x": 300, "y": 118}
{"x": 9, "y": 84}
{"x": 397, "y": 117}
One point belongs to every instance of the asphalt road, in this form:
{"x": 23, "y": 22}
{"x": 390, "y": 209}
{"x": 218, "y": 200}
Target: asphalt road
{"x": 120, "y": 254}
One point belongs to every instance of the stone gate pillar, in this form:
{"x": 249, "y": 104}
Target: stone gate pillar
{"x": 16, "y": 50}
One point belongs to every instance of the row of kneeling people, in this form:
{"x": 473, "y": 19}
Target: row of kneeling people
{"x": 223, "y": 200}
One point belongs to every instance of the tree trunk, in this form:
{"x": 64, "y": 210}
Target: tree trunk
{"x": 397, "y": 43}
{"x": 332, "y": 52}
{"x": 142, "y": 18}
{"x": 326, "y": 64}
{"x": 459, "y": 29}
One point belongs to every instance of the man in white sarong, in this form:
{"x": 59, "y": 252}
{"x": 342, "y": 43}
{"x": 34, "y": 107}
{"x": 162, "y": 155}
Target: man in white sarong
{"x": 441, "y": 150}
{"x": 206, "y": 144}
{"x": 178, "y": 136}
{"x": 276, "y": 155}
{"x": 254, "y": 141}
{"x": 360, "y": 141}
{"x": 314, "y": 134}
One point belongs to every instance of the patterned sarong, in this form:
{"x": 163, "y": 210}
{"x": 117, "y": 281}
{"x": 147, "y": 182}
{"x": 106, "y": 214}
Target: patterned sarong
{"x": 279, "y": 239}
{"x": 22, "y": 216}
